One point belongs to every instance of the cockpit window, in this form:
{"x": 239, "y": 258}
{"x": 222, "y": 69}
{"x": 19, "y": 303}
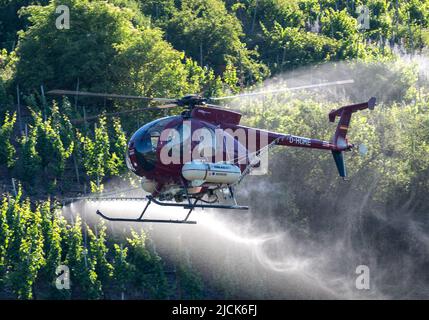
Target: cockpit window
{"x": 154, "y": 139}
{"x": 146, "y": 141}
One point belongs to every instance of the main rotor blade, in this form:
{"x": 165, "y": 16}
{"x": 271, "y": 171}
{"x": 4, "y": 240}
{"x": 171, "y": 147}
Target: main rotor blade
{"x": 106, "y": 95}
{"x": 310, "y": 86}
{"x": 214, "y": 106}
{"x": 168, "y": 106}
{"x": 114, "y": 114}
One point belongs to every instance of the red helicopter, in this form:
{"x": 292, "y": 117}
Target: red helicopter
{"x": 204, "y": 153}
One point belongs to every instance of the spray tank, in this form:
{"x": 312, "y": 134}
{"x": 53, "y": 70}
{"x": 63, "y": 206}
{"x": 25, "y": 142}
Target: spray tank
{"x": 223, "y": 173}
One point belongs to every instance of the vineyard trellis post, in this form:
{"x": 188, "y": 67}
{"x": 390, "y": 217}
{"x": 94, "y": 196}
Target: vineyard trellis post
{"x": 18, "y": 101}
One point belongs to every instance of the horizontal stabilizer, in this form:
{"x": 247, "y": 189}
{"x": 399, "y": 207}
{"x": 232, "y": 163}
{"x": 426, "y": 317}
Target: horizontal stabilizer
{"x": 352, "y": 108}
{"x": 345, "y": 114}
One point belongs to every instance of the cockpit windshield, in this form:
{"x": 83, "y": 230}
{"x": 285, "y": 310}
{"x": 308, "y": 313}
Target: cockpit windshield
{"x": 145, "y": 141}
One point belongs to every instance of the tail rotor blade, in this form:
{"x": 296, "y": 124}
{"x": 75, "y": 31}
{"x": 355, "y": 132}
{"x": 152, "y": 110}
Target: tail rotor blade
{"x": 363, "y": 149}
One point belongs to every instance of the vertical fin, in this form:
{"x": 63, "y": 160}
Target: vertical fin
{"x": 340, "y": 163}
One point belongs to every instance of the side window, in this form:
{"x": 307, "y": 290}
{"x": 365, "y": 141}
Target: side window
{"x": 154, "y": 139}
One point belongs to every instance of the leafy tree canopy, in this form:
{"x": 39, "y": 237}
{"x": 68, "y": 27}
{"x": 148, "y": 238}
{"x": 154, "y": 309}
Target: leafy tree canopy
{"x": 108, "y": 48}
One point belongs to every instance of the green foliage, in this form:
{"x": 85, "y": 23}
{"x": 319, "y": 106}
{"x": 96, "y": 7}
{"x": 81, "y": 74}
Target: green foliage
{"x": 122, "y": 269}
{"x": 23, "y": 256}
{"x": 98, "y": 254}
{"x": 53, "y": 227}
{"x": 338, "y": 25}
{"x": 29, "y": 163}
{"x": 47, "y": 147}
{"x": 5, "y": 234}
{"x": 189, "y": 282}
{"x": 125, "y": 55}
{"x": 50, "y": 147}
{"x": 130, "y": 55}
{"x": 209, "y": 34}
{"x": 119, "y": 146}
{"x": 149, "y": 275}
{"x": 10, "y": 22}
{"x": 7, "y": 150}
{"x": 84, "y": 278}
{"x": 96, "y": 154}
{"x": 60, "y": 122}
{"x": 268, "y": 12}
{"x": 158, "y": 9}
{"x": 3, "y": 94}
{"x": 7, "y": 62}
{"x": 34, "y": 242}
{"x": 290, "y": 47}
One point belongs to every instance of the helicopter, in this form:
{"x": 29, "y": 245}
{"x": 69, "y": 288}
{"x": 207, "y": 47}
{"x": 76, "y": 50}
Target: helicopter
{"x": 194, "y": 159}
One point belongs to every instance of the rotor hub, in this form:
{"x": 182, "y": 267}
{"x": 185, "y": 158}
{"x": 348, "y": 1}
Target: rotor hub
{"x": 191, "y": 100}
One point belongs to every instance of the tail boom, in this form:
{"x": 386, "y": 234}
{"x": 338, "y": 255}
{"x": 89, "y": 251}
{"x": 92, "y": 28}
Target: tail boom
{"x": 337, "y": 146}
{"x": 303, "y": 142}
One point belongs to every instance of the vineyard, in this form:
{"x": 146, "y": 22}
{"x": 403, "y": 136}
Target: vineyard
{"x": 52, "y": 149}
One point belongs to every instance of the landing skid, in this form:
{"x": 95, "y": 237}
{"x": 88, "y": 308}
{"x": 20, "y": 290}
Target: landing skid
{"x": 191, "y": 206}
{"x": 144, "y": 220}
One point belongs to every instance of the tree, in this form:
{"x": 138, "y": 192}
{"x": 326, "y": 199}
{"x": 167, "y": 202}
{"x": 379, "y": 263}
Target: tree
{"x": 188, "y": 280}
{"x": 25, "y": 249}
{"x": 127, "y": 55}
{"x": 84, "y": 279}
{"x": 338, "y": 25}
{"x": 5, "y": 234}
{"x": 29, "y": 164}
{"x": 118, "y": 146}
{"x": 209, "y": 34}
{"x": 150, "y": 276}
{"x": 287, "y": 48}
{"x": 53, "y": 228}
{"x": 96, "y": 156}
{"x": 285, "y": 12}
{"x": 158, "y": 9}
{"x": 123, "y": 271}
{"x": 50, "y": 147}
{"x": 98, "y": 254}
{"x": 7, "y": 150}
{"x": 10, "y": 22}
{"x": 7, "y": 63}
